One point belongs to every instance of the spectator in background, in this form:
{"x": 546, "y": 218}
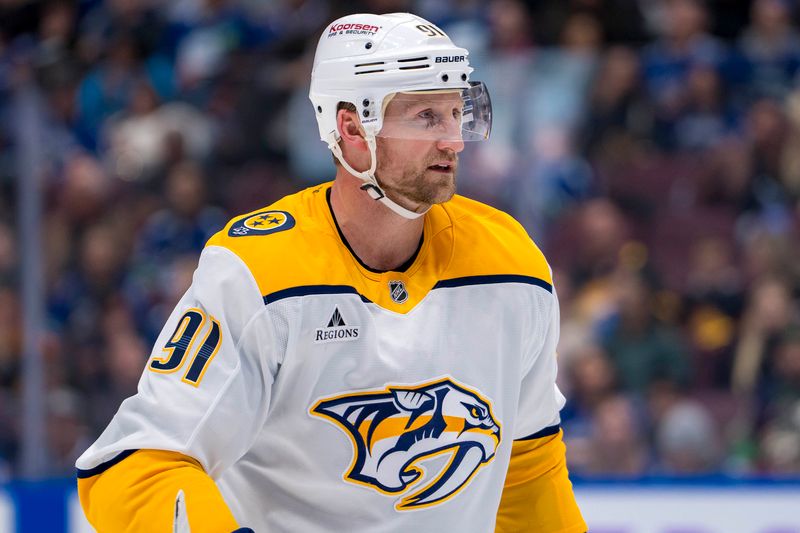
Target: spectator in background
{"x": 67, "y": 434}
{"x": 295, "y": 19}
{"x": 56, "y": 31}
{"x": 186, "y": 223}
{"x": 642, "y": 349}
{"x": 768, "y": 201}
{"x": 770, "y": 310}
{"x": 552, "y": 179}
{"x": 714, "y": 302}
{"x": 133, "y": 17}
{"x": 559, "y": 80}
{"x": 602, "y": 231}
{"x": 591, "y": 379}
{"x": 108, "y": 87}
{"x": 44, "y": 69}
{"x": 619, "y": 112}
{"x": 551, "y": 176}
{"x": 127, "y": 353}
{"x": 724, "y": 180}
{"x": 206, "y": 34}
{"x": 101, "y": 367}
{"x": 618, "y": 444}
{"x": 771, "y": 46}
{"x": 683, "y": 43}
{"x": 76, "y": 353}
{"x": 780, "y": 436}
{"x": 714, "y": 276}
{"x": 81, "y": 294}
{"x": 687, "y": 439}
{"x": 141, "y": 137}
{"x": 621, "y": 21}
{"x": 766, "y": 255}
{"x": 705, "y": 118}
{"x": 506, "y": 68}
{"x": 181, "y": 229}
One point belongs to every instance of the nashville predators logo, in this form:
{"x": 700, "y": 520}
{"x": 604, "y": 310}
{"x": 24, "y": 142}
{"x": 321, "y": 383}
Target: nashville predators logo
{"x": 396, "y": 429}
{"x": 262, "y": 223}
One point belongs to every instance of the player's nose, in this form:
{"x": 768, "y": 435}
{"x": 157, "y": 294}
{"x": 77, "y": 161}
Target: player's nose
{"x": 451, "y": 138}
{"x": 455, "y": 145}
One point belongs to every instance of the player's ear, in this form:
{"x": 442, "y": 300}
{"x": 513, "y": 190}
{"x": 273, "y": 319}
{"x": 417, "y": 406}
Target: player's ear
{"x": 350, "y": 128}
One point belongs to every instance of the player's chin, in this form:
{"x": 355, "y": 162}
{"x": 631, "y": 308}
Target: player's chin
{"x": 443, "y": 188}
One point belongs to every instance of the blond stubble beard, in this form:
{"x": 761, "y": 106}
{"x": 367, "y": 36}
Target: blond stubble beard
{"x": 415, "y": 185}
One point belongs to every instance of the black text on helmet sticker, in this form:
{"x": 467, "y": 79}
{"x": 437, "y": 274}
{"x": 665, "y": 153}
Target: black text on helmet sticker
{"x": 450, "y": 59}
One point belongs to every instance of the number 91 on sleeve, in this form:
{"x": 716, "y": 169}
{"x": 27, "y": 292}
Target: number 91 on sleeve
{"x": 184, "y": 344}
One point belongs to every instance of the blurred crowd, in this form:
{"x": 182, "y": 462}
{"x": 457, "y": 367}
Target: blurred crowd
{"x": 651, "y": 148}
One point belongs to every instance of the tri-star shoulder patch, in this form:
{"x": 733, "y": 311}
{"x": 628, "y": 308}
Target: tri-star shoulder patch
{"x": 262, "y": 223}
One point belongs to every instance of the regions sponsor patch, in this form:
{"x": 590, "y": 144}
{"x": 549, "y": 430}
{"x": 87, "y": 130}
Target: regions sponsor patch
{"x": 336, "y": 330}
{"x": 262, "y": 223}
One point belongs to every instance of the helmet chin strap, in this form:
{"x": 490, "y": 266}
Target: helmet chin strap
{"x": 370, "y": 183}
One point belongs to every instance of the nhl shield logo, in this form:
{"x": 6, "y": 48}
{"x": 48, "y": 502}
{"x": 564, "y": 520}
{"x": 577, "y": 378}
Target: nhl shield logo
{"x": 398, "y": 291}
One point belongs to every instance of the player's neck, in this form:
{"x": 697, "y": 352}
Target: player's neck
{"x": 382, "y": 239}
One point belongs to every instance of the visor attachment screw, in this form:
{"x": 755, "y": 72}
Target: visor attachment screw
{"x": 368, "y": 46}
{"x": 319, "y": 109}
{"x": 445, "y": 77}
{"x": 463, "y": 77}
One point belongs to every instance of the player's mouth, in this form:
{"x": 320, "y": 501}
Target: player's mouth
{"x": 443, "y": 166}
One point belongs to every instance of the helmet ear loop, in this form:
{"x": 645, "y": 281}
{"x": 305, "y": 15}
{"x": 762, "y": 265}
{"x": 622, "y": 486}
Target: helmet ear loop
{"x": 370, "y": 185}
{"x": 371, "y": 182}
{"x": 366, "y": 175}
{"x": 373, "y": 155}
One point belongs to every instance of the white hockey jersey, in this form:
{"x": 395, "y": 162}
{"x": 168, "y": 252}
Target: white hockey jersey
{"x": 322, "y": 396}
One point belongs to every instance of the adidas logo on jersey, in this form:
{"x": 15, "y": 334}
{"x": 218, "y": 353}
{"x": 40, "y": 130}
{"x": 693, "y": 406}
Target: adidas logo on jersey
{"x": 336, "y": 330}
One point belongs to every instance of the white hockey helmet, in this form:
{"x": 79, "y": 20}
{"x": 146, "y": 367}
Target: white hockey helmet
{"x": 365, "y": 59}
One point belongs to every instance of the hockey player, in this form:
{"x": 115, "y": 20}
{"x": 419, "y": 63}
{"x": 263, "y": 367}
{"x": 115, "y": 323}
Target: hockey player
{"x": 372, "y": 354}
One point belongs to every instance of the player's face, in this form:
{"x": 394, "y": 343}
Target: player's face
{"x": 418, "y": 148}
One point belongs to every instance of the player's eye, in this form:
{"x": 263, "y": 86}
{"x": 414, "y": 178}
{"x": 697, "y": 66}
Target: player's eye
{"x": 428, "y": 115}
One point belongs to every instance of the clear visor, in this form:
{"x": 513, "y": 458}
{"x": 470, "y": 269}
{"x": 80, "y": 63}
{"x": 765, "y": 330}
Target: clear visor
{"x": 439, "y": 115}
